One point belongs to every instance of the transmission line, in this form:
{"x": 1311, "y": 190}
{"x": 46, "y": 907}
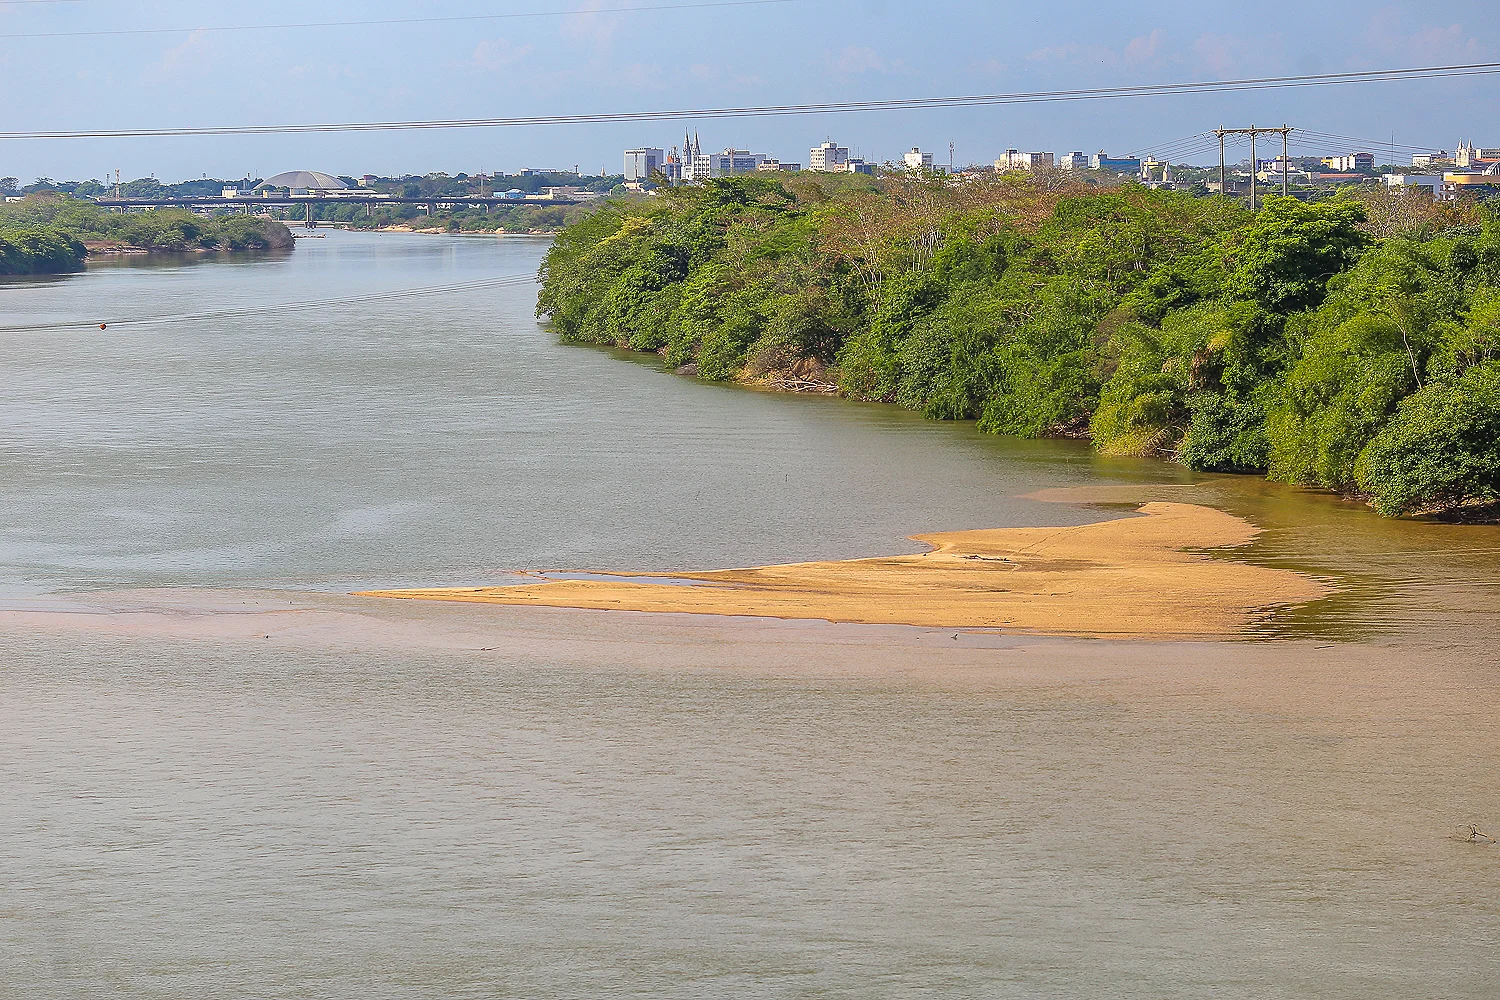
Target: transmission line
{"x": 978, "y": 100}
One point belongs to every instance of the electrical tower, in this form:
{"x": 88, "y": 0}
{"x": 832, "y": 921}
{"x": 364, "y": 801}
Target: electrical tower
{"x": 1252, "y": 132}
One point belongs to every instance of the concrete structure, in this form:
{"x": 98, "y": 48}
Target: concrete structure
{"x": 770, "y": 166}
{"x": 644, "y": 163}
{"x": 1156, "y": 173}
{"x": 1351, "y": 163}
{"x": 734, "y": 161}
{"x": 1439, "y": 159}
{"x": 917, "y": 160}
{"x": 1488, "y": 179}
{"x": 1470, "y": 156}
{"x": 303, "y": 182}
{"x": 855, "y": 165}
{"x": 694, "y": 165}
{"x": 1014, "y": 159}
{"x": 1431, "y": 183}
{"x": 829, "y": 157}
{"x": 1073, "y": 161}
{"x": 1119, "y": 164}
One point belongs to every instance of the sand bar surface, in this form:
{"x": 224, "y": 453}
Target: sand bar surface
{"x": 1136, "y": 576}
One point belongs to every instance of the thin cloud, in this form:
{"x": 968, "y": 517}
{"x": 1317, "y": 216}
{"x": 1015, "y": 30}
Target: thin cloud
{"x": 495, "y": 54}
{"x": 1216, "y": 52}
{"x": 1392, "y": 32}
{"x": 855, "y": 60}
{"x": 1143, "y": 48}
{"x": 193, "y": 57}
{"x": 589, "y": 25}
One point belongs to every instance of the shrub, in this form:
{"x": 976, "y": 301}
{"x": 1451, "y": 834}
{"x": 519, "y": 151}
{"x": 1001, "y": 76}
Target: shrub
{"x": 1442, "y": 448}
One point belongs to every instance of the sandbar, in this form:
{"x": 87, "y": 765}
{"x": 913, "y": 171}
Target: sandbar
{"x": 1146, "y": 576}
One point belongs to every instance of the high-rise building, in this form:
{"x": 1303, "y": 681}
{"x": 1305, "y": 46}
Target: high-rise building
{"x": 734, "y": 161}
{"x": 1014, "y": 159}
{"x": 1351, "y": 163}
{"x": 1073, "y": 161}
{"x": 1119, "y": 164}
{"x": 644, "y": 163}
{"x": 917, "y": 160}
{"x": 830, "y": 157}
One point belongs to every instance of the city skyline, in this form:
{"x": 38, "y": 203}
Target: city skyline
{"x": 602, "y": 60}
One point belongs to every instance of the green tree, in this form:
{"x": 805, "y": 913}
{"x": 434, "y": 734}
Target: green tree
{"x": 1442, "y": 448}
{"x": 1283, "y": 260}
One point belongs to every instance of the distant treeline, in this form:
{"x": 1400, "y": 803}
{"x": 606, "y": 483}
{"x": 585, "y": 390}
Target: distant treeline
{"x": 1352, "y": 344}
{"x": 433, "y": 185}
{"x": 47, "y": 235}
{"x": 519, "y": 218}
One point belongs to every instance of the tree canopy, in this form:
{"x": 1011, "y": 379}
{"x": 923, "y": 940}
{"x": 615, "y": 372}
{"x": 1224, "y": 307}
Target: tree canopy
{"x": 1330, "y": 344}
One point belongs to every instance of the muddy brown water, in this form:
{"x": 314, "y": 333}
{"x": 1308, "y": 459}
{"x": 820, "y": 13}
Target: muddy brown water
{"x": 224, "y": 777}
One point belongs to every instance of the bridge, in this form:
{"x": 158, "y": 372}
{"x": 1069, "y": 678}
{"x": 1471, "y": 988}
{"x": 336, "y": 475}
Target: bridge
{"x": 309, "y": 200}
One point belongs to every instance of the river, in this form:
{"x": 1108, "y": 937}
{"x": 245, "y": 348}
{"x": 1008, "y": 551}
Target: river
{"x": 226, "y": 777}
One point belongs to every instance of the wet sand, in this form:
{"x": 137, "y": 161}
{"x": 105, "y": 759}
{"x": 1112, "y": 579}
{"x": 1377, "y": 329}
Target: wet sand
{"x": 1147, "y": 576}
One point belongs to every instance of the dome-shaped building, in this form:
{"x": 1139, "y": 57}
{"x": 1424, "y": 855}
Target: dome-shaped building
{"x": 303, "y": 182}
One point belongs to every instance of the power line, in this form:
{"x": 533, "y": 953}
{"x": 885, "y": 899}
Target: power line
{"x": 109, "y": 32}
{"x": 980, "y": 100}
{"x": 1362, "y": 141}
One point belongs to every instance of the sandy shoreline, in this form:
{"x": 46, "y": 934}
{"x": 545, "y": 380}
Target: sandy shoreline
{"x": 1140, "y": 576}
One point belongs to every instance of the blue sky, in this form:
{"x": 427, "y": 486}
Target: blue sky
{"x": 794, "y": 52}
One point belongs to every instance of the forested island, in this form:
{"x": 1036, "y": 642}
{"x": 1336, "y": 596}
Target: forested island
{"x": 1351, "y": 344}
{"x": 54, "y": 235}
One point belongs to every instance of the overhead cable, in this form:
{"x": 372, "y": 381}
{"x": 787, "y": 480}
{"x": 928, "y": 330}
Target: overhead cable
{"x": 978, "y": 100}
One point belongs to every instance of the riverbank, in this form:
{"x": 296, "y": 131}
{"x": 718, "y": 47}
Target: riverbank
{"x": 1223, "y": 340}
{"x": 444, "y": 231}
{"x": 1141, "y": 576}
{"x": 50, "y": 235}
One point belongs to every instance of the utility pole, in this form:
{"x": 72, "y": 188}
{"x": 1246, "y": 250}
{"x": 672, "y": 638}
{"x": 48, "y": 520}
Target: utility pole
{"x": 1286, "y": 167}
{"x": 1222, "y": 189}
{"x": 1252, "y": 132}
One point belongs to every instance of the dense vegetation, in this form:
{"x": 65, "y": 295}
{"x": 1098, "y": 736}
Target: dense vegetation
{"x": 47, "y": 235}
{"x": 1351, "y": 344}
{"x": 521, "y": 218}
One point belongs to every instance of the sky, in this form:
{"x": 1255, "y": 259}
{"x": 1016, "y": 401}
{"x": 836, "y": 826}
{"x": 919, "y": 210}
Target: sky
{"x": 588, "y": 56}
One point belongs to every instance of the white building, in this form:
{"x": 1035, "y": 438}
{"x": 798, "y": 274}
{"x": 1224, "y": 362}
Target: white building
{"x": 1438, "y": 159}
{"x": 917, "y": 160}
{"x": 1470, "y": 155}
{"x": 644, "y": 163}
{"x": 1414, "y": 182}
{"x": 830, "y": 157}
{"x": 1014, "y": 159}
{"x": 1350, "y": 163}
{"x": 1073, "y": 161}
{"x": 771, "y": 166}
